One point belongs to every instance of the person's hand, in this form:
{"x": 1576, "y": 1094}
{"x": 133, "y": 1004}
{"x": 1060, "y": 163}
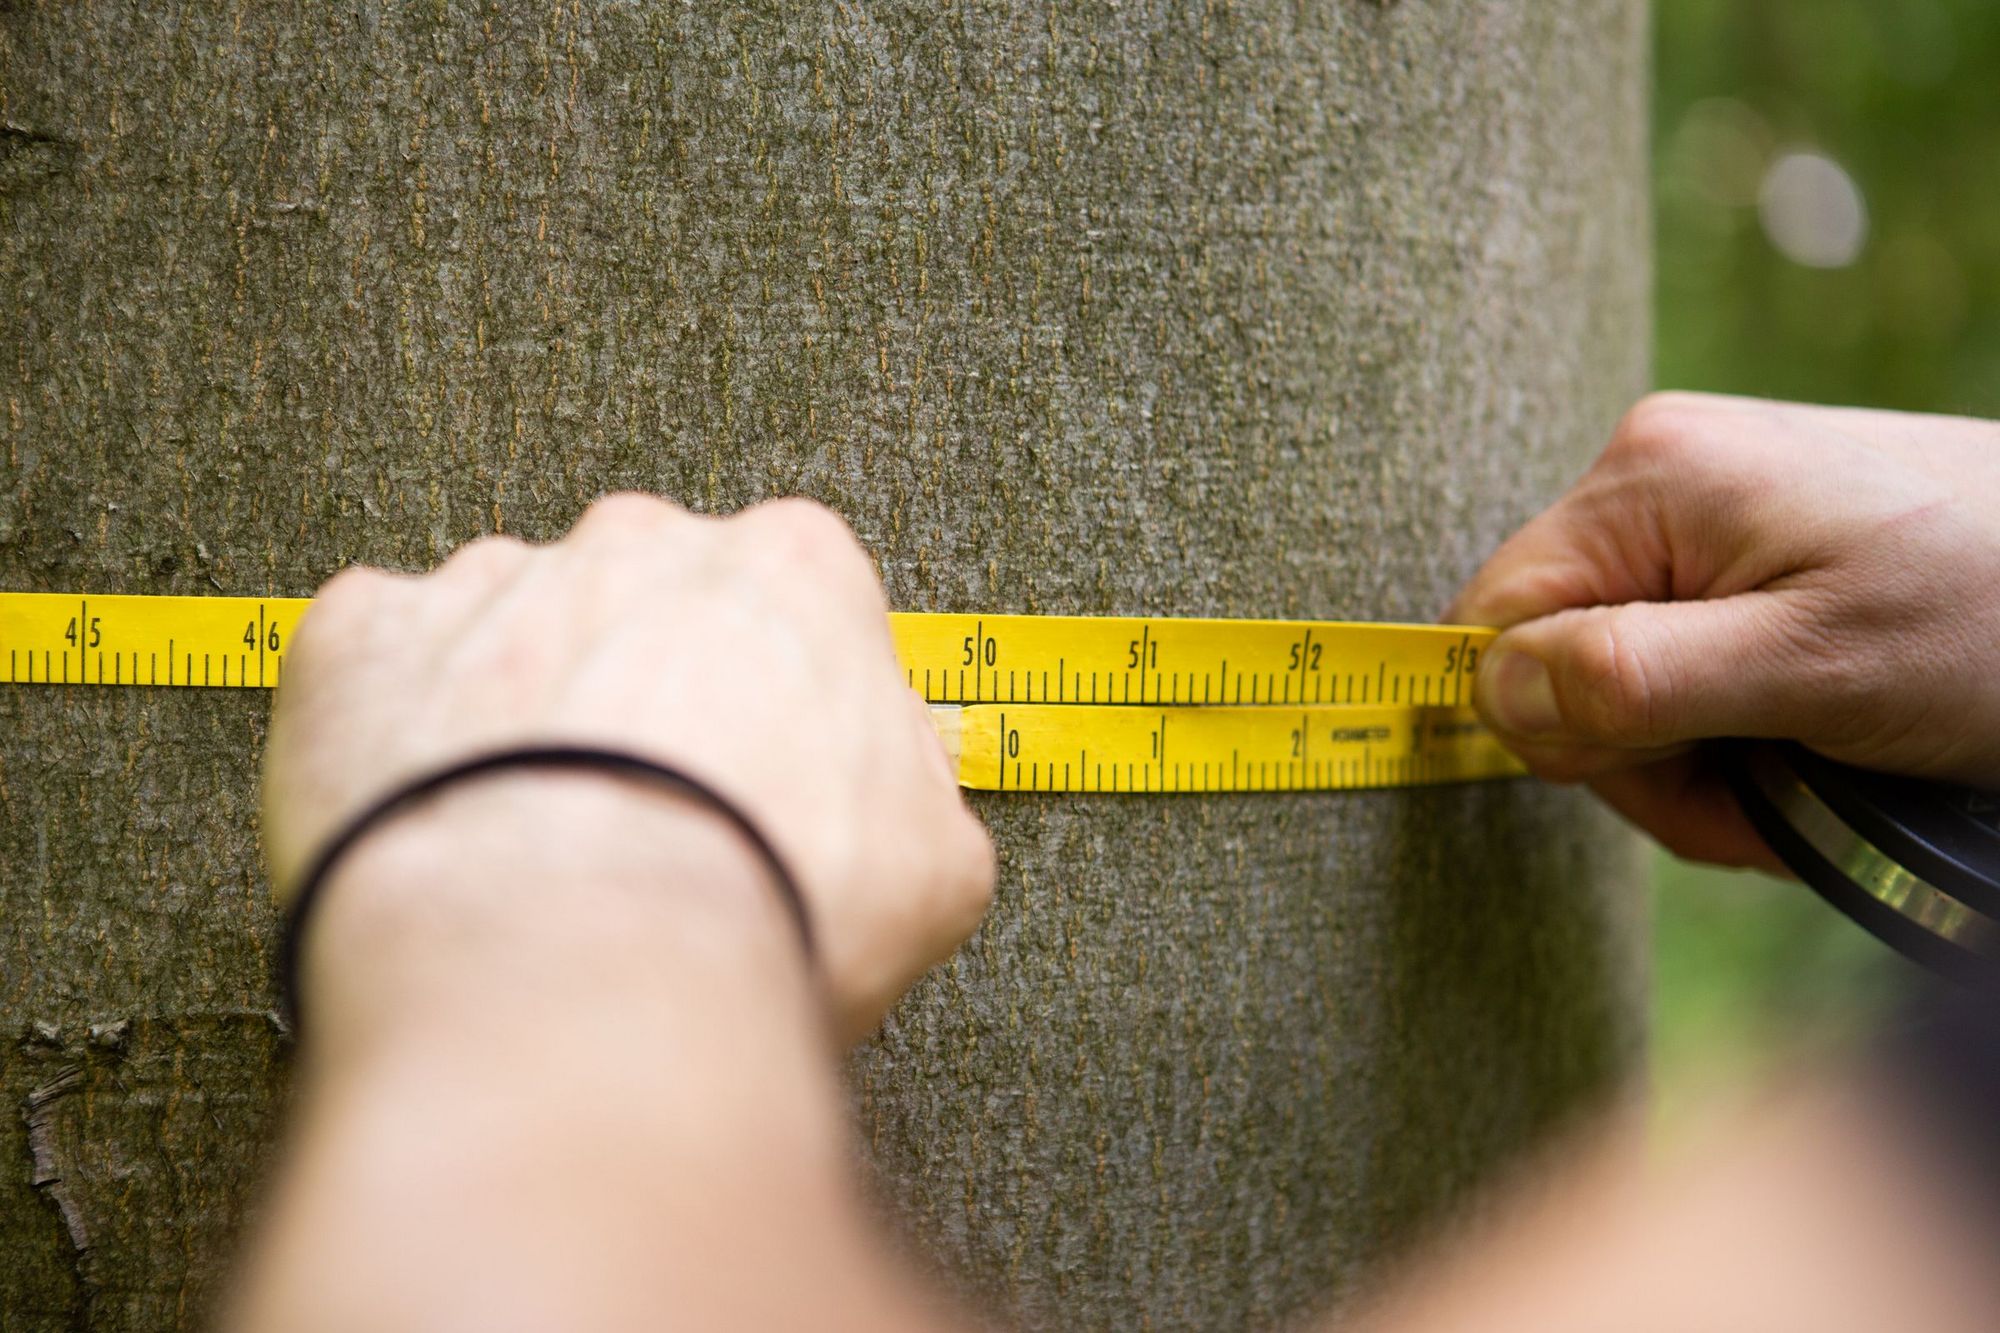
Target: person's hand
{"x": 1732, "y": 567}
{"x": 752, "y": 651}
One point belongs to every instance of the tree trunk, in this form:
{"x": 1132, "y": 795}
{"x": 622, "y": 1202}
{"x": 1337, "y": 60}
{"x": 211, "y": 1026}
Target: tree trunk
{"x": 1238, "y": 308}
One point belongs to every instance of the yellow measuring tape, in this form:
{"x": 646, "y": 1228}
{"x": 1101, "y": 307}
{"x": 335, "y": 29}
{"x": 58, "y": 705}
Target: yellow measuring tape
{"x": 1027, "y": 703}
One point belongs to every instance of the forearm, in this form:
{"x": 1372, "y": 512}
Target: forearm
{"x": 1806, "y": 1212}
{"x": 591, "y": 1090}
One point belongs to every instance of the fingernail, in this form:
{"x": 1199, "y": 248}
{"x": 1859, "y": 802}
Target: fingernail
{"x": 1520, "y": 696}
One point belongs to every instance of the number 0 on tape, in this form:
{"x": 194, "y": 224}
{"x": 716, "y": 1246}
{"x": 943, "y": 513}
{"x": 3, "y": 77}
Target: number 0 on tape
{"x": 1053, "y": 704}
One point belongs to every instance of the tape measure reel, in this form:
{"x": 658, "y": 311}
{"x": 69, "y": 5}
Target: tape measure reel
{"x": 1059, "y": 704}
{"x": 1915, "y": 863}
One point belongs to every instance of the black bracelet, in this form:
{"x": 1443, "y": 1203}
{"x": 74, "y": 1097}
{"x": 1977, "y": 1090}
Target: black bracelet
{"x": 615, "y": 762}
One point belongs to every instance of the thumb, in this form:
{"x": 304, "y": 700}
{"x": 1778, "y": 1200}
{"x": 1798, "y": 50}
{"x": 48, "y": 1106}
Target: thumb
{"x": 1644, "y": 675}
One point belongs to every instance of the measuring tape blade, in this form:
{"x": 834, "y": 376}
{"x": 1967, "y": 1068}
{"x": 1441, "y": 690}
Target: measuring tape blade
{"x": 81, "y": 639}
{"x": 1116, "y": 749}
{"x": 86, "y": 639}
{"x": 1092, "y": 703}
{"x": 1136, "y": 660}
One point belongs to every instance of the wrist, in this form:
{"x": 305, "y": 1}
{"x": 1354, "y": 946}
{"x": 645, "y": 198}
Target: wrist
{"x": 519, "y": 899}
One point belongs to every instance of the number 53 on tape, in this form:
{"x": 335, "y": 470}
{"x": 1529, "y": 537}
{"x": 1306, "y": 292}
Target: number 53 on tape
{"x": 1057, "y": 704}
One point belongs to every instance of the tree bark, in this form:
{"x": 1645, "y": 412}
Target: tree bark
{"x": 1237, "y": 307}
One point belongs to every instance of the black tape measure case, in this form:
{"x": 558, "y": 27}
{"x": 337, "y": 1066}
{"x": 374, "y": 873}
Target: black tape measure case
{"x": 1915, "y": 863}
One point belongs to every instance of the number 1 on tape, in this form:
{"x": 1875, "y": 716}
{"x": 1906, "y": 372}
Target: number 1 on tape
{"x": 1109, "y": 704}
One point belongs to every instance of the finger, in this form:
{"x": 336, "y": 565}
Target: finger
{"x": 808, "y": 560}
{"x": 627, "y": 517}
{"x": 334, "y": 621}
{"x": 1566, "y": 764}
{"x": 1652, "y": 674}
{"x": 933, "y": 754}
{"x": 968, "y": 861}
{"x": 1695, "y": 496}
{"x": 809, "y": 542}
{"x": 602, "y": 567}
{"x": 329, "y": 670}
{"x": 1689, "y": 810}
{"x": 1585, "y": 550}
{"x": 483, "y": 564}
{"x": 463, "y": 590}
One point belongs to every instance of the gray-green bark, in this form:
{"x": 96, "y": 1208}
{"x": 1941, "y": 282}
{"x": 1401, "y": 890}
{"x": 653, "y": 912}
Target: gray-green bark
{"x": 1246, "y": 308}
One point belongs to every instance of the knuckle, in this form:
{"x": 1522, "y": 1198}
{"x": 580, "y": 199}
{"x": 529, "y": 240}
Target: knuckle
{"x": 626, "y": 512}
{"x": 1663, "y": 426}
{"x": 1686, "y": 444}
{"x": 494, "y": 544}
{"x": 352, "y": 596}
{"x": 354, "y": 588}
{"x": 1700, "y": 450}
{"x": 494, "y": 553}
{"x": 797, "y": 532}
{"x": 1620, "y": 691}
{"x": 809, "y": 525}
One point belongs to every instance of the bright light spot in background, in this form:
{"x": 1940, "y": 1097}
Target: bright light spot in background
{"x": 1813, "y": 211}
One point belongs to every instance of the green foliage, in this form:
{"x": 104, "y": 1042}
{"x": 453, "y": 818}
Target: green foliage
{"x": 1902, "y": 95}
{"x": 1748, "y": 969}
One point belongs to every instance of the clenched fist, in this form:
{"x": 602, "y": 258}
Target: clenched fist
{"x": 752, "y": 651}
{"x": 1732, "y": 567}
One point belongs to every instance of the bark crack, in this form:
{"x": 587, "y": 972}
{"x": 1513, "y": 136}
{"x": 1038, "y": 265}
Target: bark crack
{"x": 28, "y": 155}
{"x": 50, "y": 1177}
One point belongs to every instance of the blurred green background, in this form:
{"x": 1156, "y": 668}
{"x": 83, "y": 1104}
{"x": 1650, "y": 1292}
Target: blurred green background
{"x": 1827, "y": 198}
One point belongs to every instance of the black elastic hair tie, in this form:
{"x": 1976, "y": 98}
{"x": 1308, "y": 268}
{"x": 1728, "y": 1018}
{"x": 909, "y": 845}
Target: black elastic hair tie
{"x": 591, "y": 759}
